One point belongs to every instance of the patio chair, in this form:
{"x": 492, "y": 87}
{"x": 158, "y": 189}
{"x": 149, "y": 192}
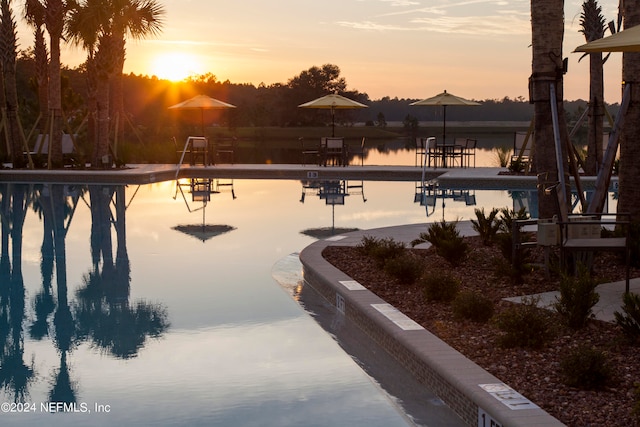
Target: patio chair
{"x": 469, "y": 152}
{"x": 357, "y": 151}
{"x": 421, "y": 151}
{"x": 432, "y": 152}
{"x": 40, "y": 150}
{"x": 334, "y": 152}
{"x": 225, "y": 149}
{"x": 309, "y": 152}
{"x": 522, "y": 149}
{"x": 199, "y": 147}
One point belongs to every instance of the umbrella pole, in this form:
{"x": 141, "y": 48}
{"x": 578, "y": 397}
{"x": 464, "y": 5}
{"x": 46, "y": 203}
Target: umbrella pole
{"x": 444, "y": 135}
{"x": 333, "y": 122}
{"x": 202, "y": 120}
{"x": 444, "y": 124}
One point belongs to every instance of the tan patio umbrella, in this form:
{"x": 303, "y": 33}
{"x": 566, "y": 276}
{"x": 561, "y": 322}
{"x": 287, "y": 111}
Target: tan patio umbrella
{"x": 445, "y": 99}
{"x": 333, "y": 102}
{"x": 627, "y": 40}
{"x": 201, "y": 102}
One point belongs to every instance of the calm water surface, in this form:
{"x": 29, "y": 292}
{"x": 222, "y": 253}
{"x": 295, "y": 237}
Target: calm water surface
{"x": 108, "y": 308}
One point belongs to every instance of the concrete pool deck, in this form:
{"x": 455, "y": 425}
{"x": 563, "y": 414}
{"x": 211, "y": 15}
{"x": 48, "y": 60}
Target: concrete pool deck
{"x": 485, "y": 178}
{"x": 474, "y": 394}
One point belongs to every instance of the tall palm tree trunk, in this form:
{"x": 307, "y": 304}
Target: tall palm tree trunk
{"x": 547, "y": 27}
{"x": 101, "y": 148}
{"x": 34, "y": 14}
{"x": 117, "y": 92}
{"x": 629, "y": 175}
{"x": 104, "y": 63}
{"x": 8, "y": 58}
{"x": 54, "y": 21}
{"x": 593, "y": 26}
{"x": 42, "y": 63}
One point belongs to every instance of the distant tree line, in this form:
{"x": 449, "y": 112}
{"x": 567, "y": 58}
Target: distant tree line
{"x": 147, "y": 101}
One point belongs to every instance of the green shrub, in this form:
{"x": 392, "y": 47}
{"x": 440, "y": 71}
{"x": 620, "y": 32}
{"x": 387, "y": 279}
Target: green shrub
{"x": 586, "y": 368}
{"x": 406, "y": 268}
{"x": 486, "y": 226}
{"x": 524, "y": 325}
{"x": 473, "y": 306}
{"x": 577, "y": 297}
{"x": 517, "y": 165}
{"x": 381, "y": 249}
{"x": 509, "y": 216}
{"x": 502, "y": 155}
{"x": 439, "y": 285}
{"x": 446, "y": 239}
{"x": 629, "y": 321}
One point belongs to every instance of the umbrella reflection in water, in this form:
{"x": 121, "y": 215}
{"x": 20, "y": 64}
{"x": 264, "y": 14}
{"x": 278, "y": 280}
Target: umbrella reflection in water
{"x": 428, "y": 194}
{"x": 201, "y": 190}
{"x": 333, "y": 192}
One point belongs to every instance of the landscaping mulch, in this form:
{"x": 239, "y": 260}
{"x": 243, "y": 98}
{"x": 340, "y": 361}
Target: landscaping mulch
{"x": 534, "y": 373}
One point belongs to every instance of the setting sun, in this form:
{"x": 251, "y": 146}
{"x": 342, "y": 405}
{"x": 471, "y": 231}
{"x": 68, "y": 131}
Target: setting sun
{"x": 176, "y": 66}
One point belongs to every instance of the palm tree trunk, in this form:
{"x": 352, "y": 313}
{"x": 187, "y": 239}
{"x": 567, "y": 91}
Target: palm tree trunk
{"x": 42, "y": 62}
{"x": 629, "y": 175}
{"x": 547, "y": 26}
{"x": 101, "y": 149}
{"x": 596, "y": 115}
{"x": 117, "y": 91}
{"x": 55, "y": 12}
{"x": 8, "y": 55}
{"x": 593, "y": 25}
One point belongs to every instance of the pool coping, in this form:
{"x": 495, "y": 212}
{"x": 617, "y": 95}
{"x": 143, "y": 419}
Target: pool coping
{"x": 455, "y": 379}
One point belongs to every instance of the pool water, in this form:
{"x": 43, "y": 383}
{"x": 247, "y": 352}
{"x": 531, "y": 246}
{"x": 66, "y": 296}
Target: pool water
{"x": 119, "y": 315}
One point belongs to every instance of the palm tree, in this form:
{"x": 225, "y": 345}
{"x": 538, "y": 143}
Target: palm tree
{"x": 101, "y": 26}
{"x": 547, "y": 27}
{"x": 593, "y": 27}
{"x": 629, "y": 175}
{"x": 55, "y": 12}
{"x": 34, "y": 14}
{"x": 9, "y": 46}
{"x": 138, "y": 19}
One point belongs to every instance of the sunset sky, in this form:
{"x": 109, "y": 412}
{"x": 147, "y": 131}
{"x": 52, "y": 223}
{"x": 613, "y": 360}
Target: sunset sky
{"x": 478, "y": 49}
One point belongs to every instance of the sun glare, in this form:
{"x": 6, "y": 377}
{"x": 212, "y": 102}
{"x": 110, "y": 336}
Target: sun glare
{"x": 176, "y": 66}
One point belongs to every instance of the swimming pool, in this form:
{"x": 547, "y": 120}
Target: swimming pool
{"x": 109, "y": 309}
{"x": 117, "y": 314}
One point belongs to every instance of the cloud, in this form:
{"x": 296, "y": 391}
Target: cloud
{"x": 371, "y": 26}
{"x": 485, "y": 25}
{"x": 477, "y": 17}
{"x": 400, "y": 3}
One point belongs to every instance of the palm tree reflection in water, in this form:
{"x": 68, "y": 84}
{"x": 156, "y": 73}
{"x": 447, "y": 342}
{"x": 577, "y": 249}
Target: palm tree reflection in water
{"x": 15, "y": 375}
{"x": 101, "y": 313}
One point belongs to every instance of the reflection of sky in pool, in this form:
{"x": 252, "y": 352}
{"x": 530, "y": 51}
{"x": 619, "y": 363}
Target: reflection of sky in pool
{"x": 237, "y": 349}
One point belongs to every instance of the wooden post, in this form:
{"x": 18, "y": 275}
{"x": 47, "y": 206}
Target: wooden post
{"x": 604, "y": 174}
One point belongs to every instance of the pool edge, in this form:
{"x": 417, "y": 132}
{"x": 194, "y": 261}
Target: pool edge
{"x": 451, "y": 376}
